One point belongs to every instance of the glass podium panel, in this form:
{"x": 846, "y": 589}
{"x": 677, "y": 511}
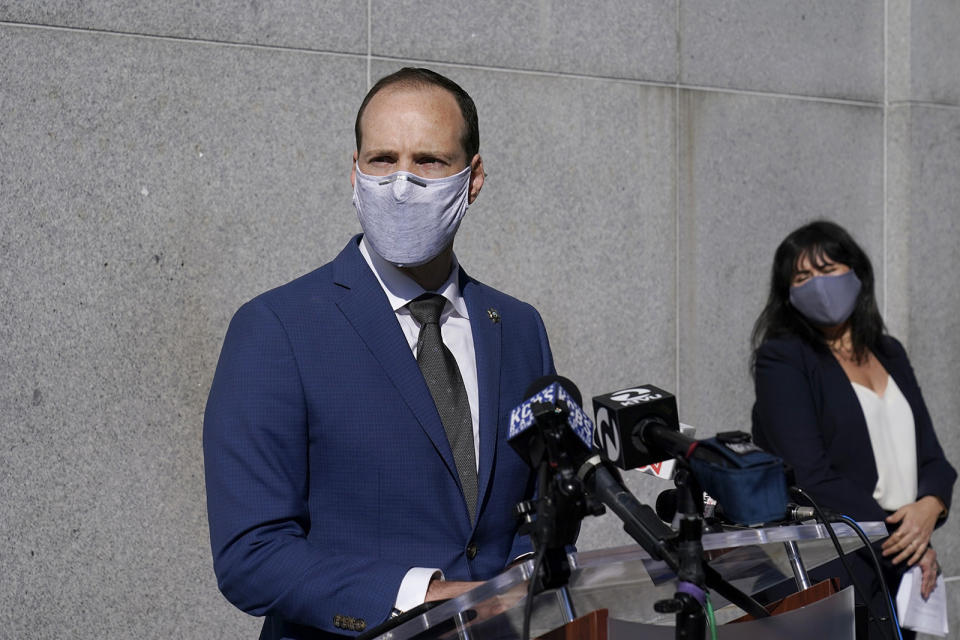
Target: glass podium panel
{"x": 627, "y": 582}
{"x": 832, "y": 617}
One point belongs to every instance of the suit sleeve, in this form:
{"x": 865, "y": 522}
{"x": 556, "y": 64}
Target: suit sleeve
{"x": 786, "y": 423}
{"x": 255, "y": 443}
{"x": 935, "y": 475}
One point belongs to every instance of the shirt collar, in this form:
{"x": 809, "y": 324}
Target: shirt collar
{"x": 401, "y": 288}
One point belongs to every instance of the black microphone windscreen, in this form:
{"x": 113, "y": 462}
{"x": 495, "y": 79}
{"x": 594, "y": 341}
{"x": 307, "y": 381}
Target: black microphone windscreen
{"x": 667, "y": 505}
{"x": 620, "y": 416}
{"x": 551, "y": 403}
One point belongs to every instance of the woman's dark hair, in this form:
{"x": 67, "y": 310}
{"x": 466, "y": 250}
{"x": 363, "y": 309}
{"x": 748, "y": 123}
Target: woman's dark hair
{"x": 820, "y": 240}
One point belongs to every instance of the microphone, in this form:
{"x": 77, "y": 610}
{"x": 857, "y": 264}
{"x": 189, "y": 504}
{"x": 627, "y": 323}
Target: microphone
{"x": 666, "y": 505}
{"x": 793, "y": 513}
{"x": 550, "y": 427}
{"x": 551, "y": 424}
{"x": 667, "y": 510}
{"x": 618, "y": 414}
{"x": 552, "y": 434}
{"x": 550, "y": 421}
{"x": 639, "y": 425}
{"x": 639, "y": 520}
{"x": 796, "y": 513}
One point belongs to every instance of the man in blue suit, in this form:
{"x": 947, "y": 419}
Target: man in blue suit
{"x": 338, "y": 490}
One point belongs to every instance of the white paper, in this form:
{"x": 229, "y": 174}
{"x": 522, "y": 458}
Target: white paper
{"x": 926, "y": 616}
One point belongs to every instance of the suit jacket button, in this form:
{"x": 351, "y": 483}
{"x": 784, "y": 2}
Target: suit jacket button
{"x": 472, "y": 551}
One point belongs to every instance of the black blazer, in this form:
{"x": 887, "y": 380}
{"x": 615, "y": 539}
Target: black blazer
{"x": 807, "y": 412}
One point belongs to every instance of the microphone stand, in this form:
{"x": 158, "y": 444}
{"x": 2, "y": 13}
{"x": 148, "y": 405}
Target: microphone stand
{"x": 553, "y": 522}
{"x": 689, "y": 600}
{"x": 684, "y": 558}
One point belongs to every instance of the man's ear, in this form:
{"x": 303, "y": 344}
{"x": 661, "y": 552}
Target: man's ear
{"x": 476, "y": 178}
{"x": 353, "y": 171}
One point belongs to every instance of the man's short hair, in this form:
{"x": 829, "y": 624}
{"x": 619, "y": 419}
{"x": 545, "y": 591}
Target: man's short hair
{"x": 419, "y": 78}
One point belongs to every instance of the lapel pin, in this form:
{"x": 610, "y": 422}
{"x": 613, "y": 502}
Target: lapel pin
{"x": 494, "y": 315}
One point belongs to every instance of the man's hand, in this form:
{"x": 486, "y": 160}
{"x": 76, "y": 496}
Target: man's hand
{"x": 910, "y": 540}
{"x": 928, "y": 572}
{"x": 444, "y": 590}
{"x": 486, "y": 609}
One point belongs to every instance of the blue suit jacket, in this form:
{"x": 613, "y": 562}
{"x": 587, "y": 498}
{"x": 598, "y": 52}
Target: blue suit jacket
{"x": 807, "y": 412}
{"x": 328, "y": 471}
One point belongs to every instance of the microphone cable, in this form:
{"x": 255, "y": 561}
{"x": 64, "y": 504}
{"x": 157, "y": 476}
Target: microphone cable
{"x": 711, "y": 618}
{"x": 531, "y": 592}
{"x": 826, "y": 522}
{"x": 538, "y": 557}
{"x": 883, "y": 582}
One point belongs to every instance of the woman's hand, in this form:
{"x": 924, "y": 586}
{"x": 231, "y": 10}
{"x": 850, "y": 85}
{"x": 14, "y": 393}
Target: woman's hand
{"x": 928, "y": 572}
{"x": 910, "y": 540}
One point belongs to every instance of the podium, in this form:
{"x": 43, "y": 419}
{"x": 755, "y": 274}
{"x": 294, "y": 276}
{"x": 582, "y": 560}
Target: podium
{"x": 620, "y": 586}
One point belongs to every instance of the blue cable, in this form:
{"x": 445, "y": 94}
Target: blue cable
{"x": 883, "y": 583}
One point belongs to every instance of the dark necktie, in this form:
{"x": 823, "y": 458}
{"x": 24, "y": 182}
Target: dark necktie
{"x": 443, "y": 378}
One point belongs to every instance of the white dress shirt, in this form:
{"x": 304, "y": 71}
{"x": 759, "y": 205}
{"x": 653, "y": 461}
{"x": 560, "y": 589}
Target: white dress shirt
{"x": 457, "y": 336}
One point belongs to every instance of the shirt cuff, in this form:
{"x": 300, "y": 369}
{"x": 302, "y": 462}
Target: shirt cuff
{"x": 413, "y": 588}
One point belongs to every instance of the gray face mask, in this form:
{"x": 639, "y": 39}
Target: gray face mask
{"x": 407, "y": 219}
{"x": 827, "y": 301}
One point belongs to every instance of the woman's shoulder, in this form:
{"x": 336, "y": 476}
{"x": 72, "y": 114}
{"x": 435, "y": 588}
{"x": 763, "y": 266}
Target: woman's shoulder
{"x": 891, "y": 350}
{"x": 890, "y": 346}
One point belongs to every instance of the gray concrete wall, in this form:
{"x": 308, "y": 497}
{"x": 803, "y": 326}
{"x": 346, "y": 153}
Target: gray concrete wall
{"x": 161, "y": 164}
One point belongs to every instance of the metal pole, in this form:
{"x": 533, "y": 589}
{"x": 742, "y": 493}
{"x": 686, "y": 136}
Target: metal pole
{"x": 796, "y": 563}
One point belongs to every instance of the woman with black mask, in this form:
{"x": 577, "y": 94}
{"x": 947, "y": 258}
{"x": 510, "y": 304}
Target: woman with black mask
{"x": 837, "y": 399}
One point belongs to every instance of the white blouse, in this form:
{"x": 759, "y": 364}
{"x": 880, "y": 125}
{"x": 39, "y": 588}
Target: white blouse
{"x": 894, "y": 443}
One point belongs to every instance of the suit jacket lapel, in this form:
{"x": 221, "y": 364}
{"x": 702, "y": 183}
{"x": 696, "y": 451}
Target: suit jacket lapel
{"x": 842, "y": 399}
{"x": 366, "y": 307}
{"x": 486, "y": 330}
